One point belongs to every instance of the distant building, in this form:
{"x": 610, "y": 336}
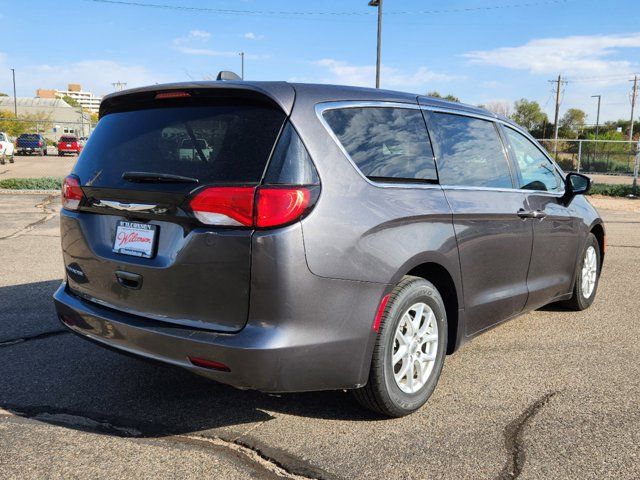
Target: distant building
{"x": 52, "y": 117}
{"x": 74, "y": 90}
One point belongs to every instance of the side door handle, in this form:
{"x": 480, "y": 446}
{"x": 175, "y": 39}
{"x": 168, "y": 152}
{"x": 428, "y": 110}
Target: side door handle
{"x": 539, "y": 214}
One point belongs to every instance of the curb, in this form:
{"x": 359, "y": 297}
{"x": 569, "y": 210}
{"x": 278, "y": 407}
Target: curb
{"x": 11, "y": 191}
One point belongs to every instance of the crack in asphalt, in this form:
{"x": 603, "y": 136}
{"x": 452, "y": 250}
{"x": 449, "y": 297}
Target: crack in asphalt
{"x": 48, "y": 214}
{"x": 38, "y": 336}
{"x": 513, "y": 438}
{"x": 273, "y": 460}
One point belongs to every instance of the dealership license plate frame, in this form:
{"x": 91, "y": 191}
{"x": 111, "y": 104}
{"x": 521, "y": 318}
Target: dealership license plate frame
{"x": 127, "y": 226}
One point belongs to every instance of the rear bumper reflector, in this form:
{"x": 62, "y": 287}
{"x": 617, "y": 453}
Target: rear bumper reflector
{"x": 210, "y": 364}
{"x": 380, "y": 312}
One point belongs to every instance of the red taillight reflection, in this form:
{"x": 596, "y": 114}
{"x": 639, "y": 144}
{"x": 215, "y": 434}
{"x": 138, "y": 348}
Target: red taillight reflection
{"x": 380, "y": 312}
{"x": 210, "y": 364}
{"x": 261, "y": 207}
{"x": 71, "y": 193}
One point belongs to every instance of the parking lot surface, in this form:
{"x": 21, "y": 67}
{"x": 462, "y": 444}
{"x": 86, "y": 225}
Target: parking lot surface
{"x": 33, "y": 166}
{"x": 551, "y": 394}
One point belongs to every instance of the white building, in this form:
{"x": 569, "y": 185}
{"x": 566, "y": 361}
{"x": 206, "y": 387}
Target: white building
{"x": 74, "y": 90}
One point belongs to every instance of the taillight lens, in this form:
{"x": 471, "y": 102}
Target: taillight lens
{"x": 261, "y": 207}
{"x": 279, "y": 206}
{"x": 71, "y": 193}
{"x": 231, "y": 206}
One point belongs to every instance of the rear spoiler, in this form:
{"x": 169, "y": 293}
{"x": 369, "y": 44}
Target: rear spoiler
{"x": 280, "y": 94}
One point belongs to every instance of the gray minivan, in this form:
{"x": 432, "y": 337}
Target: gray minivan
{"x": 294, "y": 237}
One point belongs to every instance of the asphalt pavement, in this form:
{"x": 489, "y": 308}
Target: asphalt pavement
{"x": 551, "y": 394}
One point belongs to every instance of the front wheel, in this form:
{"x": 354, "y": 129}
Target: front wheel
{"x": 587, "y": 276}
{"x": 409, "y": 351}
{"x": 11, "y": 159}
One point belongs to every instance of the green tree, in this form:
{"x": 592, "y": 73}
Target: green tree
{"x": 571, "y": 123}
{"x": 529, "y": 115}
{"x": 2, "y": 94}
{"x": 70, "y": 101}
{"x": 449, "y": 97}
{"x": 26, "y": 123}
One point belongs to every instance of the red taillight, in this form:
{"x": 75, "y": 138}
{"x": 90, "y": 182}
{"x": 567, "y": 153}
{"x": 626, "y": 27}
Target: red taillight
{"x": 71, "y": 193}
{"x": 224, "y": 206}
{"x": 210, "y": 364}
{"x": 260, "y": 207}
{"x": 279, "y": 206}
{"x": 167, "y": 95}
{"x": 380, "y": 312}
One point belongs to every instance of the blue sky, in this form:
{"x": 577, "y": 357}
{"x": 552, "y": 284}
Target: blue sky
{"x": 465, "y": 47}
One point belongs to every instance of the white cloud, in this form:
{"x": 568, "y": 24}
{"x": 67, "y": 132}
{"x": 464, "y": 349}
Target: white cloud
{"x": 253, "y": 36}
{"x": 364, "y": 75}
{"x": 205, "y": 52}
{"x": 575, "y": 55}
{"x": 94, "y": 75}
{"x": 199, "y": 34}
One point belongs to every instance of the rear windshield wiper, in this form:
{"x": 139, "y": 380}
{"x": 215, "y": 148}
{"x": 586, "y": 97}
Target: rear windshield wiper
{"x": 149, "y": 177}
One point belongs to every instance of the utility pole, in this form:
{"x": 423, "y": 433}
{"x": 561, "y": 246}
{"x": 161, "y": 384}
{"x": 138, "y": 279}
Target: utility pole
{"x": 559, "y": 84}
{"x": 634, "y": 95}
{"x": 241, "y": 65}
{"x": 378, "y": 3}
{"x": 119, "y": 86}
{"x": 15, "y": 99}
{"x": 595, "y": 145}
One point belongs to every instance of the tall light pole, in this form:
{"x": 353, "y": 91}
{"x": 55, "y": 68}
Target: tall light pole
{"x": 378, "y": 3}
{"x": 15, "y": 99}
{"x": 595, "y": 146}
{"x": 241, "y": 65}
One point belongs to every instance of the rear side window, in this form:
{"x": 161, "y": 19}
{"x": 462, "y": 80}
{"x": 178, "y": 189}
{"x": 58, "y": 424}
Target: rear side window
{"x": 290, "y": 163}
{"x": 536, "y": 171}
{"x": 468, "y": 151}
{"x": 385, "y": 143}
{"x": 214, "y": 144}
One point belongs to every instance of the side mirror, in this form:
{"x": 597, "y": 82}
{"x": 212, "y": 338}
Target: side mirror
{"x": 577, "y": 184}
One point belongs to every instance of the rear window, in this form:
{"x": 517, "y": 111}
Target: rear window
{"x": 385, "y": 143}
{"x": 29, "y": 136}
{"x": 215, "y": 144}
{"x": 68, "y": 139}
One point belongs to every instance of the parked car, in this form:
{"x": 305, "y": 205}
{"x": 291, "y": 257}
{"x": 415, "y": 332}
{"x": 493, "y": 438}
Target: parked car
{"x": 69, "y": 144}
{"x": 6, "y": 149}
{"x": 334, "y": 238}
{"x": 30, "y": 143}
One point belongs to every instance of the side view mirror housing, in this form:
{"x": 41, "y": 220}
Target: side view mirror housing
{"x": 576, "y": 184}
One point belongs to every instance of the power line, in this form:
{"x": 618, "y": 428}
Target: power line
{"x": 226, "y": 11}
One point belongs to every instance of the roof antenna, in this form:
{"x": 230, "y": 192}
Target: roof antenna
{"x": 226, "y": 75}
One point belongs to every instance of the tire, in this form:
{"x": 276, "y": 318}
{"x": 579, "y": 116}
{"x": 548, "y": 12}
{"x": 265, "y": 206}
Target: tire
{"x": 383, "y": 393}
{"x": 11, "y": 159}
{"x": 582, "y": 299}
{"x": 2, "y": 160}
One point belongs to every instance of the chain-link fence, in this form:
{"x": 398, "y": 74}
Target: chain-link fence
{"x": 595, "y": 156}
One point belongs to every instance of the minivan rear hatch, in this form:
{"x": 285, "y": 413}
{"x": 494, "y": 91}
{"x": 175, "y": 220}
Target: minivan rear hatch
{"x": 132, "y": 242}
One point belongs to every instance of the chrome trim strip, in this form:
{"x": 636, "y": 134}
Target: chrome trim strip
{"x": 130, "y": 207}
{"x": 322, "y": 107}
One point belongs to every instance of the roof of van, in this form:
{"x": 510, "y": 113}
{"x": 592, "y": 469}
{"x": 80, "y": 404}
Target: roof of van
{"x": 284, "y": 93}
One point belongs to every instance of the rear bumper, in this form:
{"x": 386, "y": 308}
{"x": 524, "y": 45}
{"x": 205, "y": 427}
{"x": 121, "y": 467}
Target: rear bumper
{"x": 259, "y": 357}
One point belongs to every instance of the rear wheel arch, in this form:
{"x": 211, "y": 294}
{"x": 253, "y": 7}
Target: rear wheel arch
{"x": 440, "y": 277}
{"x": 598, "y": 232}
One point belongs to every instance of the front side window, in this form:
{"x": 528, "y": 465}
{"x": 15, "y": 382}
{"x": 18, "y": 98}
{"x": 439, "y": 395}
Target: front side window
{"x": 536, "y": 171}
{"x": 468, "y": 151}
{"x": 385, "y": 143}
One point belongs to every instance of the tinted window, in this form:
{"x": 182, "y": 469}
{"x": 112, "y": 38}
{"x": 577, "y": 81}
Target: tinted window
{"x": 536, "y": 171}
{"x": 290, "y": 163}
{"x": 385, "y": 142}
{"x": 228, "y": 144}
{"x": 68, "y": 139}
{"x": 468, "y": 151}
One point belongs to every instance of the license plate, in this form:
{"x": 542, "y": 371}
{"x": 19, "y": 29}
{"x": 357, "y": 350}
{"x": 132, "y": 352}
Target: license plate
{"x": 136, "y": 239}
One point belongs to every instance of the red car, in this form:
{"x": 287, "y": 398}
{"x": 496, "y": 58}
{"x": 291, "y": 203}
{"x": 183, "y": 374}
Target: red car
{"x": 69, "y": 144}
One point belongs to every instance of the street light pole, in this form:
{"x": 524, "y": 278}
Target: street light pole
{"x": 241, "y": 65}
{"x": 378, "y": 3}
{"x": 15, "y": 99}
